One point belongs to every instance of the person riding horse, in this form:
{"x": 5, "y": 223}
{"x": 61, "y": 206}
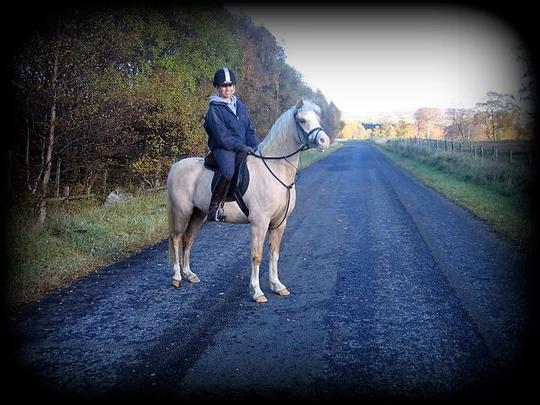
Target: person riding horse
{"x": 230, "y": 132}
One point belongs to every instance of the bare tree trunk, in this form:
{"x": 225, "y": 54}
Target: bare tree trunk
{"x": 49, "y": 149}
{"x": 57, "y": 180}
{"x": 27, "y": 155}
{"x": 41, "y": 167}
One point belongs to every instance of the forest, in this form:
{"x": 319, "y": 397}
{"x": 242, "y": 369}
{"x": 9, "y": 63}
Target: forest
{"x": 113, "y": 96}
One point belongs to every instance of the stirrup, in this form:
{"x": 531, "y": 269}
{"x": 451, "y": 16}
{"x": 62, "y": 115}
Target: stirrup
{"x": 214, "y": 216}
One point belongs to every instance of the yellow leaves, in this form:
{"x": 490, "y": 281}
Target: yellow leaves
{"x": 148, "y": 165}
{"x": 353, "y": 130}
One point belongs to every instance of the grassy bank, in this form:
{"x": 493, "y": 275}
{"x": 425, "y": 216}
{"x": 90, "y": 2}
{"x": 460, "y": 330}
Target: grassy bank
{"x": 76, "y": 239}
{"x": 79, "y": 237}
{"x": 495, "y": 194}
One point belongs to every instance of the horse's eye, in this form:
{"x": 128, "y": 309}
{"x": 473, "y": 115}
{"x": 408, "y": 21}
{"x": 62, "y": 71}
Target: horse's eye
{"x": 302, "y": 121}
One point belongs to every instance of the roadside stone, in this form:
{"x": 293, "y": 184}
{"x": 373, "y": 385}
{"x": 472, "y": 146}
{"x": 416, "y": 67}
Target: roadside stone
{"x": 118, "y": 196}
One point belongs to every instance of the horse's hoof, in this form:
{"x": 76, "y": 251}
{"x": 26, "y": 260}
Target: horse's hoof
{"x": 194, "y": 279}
{"x": 176, "y": 283}
{"x": 260, "y": 299}
{"x": 283, "y": 292}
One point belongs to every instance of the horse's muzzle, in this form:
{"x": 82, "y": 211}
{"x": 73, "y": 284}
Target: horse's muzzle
{"x": 323, "y": 141}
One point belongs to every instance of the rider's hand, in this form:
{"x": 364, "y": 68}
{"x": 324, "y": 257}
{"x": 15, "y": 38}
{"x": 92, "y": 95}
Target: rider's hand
{"x": 248, "y": 149}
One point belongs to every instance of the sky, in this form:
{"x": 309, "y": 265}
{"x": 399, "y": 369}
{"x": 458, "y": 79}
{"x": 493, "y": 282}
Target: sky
{"x": 380, "y": 62}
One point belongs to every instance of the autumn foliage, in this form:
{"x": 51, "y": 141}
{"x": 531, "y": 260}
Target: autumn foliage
{"x": 108, "y": 97}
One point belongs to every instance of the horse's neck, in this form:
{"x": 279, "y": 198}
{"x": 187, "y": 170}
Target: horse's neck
{"x": 282, "y": 139}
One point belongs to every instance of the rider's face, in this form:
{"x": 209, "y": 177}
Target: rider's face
{"x": 226, "y": 91}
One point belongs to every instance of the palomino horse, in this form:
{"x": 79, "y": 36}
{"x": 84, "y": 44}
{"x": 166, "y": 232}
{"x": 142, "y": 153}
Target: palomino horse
{"x": 270, "y": 196}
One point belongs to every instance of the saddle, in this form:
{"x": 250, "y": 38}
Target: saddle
{"x": 239, "y": 181}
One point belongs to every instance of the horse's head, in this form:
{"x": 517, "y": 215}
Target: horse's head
{"x": 308, "y": 120}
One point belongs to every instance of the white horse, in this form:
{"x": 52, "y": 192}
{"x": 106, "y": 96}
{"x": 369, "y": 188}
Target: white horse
{"x": 270, "y": 196}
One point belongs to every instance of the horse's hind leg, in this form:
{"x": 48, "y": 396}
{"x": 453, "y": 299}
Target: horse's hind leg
{"x": 195, "y": 222}
{"x": 175, "y": 240}
{"x": 274, "y": 239}
{"x": 177, "y": 226}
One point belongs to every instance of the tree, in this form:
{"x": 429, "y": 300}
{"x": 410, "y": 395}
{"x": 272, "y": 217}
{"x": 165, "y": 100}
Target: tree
{"x": 125, "y": 91}
{"x": 426, "y": 119}
{"x": 497, "y": 112}
{"x": 404, "y": 129}
{"x": 461, "y": 122}
{"x": 528, "y": 89}
{"x": 353, "y": 130}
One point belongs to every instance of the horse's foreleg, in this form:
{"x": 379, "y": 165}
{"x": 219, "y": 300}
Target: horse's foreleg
{"x": 274, "y": 239}
{"x": 195, "y": 222}
{"x": 258, "y": 233}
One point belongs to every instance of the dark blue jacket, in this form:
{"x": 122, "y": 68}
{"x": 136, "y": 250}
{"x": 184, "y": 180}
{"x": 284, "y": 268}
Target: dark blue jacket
{"x": 226, "y": 130}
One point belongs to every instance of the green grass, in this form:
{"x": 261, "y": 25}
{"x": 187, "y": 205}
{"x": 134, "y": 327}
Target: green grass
{"x": 79, "y": 237}
{"x": 508, "y": 213}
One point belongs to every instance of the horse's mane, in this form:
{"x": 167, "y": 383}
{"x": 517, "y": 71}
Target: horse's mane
{"x": 279, "y": 134}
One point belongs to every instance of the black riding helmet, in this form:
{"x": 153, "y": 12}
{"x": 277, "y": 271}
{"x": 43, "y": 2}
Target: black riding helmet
{"x": 224, "y": 76}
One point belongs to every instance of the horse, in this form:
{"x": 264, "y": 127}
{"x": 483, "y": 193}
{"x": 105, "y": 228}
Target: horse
{"x": 270, "y": 195}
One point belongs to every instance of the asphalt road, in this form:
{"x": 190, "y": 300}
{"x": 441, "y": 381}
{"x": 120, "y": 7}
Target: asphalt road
{"x": 395, "y": 293}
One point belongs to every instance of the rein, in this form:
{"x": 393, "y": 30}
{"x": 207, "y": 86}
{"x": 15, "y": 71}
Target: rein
{"x": 288, "y": 187}
{"x": 308, "y": 142}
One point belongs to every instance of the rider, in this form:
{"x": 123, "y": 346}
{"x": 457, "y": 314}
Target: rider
{"x": 229, "y": 131}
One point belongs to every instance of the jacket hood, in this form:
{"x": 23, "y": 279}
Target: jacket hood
{"x": 218, "y": 100}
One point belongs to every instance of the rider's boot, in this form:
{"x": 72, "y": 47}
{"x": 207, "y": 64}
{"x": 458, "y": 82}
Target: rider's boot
{"x": 218, "y": 194}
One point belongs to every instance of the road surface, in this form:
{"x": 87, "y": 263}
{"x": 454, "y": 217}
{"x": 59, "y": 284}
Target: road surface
{"x": 395, "y": 293}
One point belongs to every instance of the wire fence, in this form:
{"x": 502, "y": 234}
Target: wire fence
{"x": 512, "y": 152}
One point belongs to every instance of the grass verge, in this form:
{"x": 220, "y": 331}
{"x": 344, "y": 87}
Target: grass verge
{"x": 77, "y": 239}
{"x": 509, "y": 215}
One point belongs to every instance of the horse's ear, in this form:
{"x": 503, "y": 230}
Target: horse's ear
{"x": 300, "y": 103}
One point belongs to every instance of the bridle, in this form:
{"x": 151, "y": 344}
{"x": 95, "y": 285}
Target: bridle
{"x": 307, "y": 140}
